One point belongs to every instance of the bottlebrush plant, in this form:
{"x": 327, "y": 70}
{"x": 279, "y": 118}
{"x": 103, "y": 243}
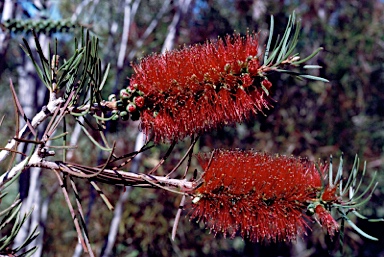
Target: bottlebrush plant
{"x": 186, "y": 92}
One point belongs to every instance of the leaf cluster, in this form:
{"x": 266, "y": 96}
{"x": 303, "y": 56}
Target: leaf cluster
{"x": 10, "y": 225}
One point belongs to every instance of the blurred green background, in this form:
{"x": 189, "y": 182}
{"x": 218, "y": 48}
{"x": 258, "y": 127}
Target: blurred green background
{"x": 310, "y": 119}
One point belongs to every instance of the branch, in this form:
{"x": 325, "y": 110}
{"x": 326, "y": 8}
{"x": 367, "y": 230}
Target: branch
{"x": 117, "y": 177}
{"x": 108, "y": 176}
{"x": 45, "y": 112}
{"x": 118, "y": 212}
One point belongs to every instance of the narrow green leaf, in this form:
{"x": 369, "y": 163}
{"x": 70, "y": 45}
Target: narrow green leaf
{"x": 58, "y": 136}
{"x": 44, "y": 62}
{"x": 28, "y": 52}
{"x": 339, "y": 174}
{"x": 359, "y": 215}
{"x": 103, "y": 118}
{"x": 352, "y": 176}
{"x": 2, "y": 195}
{"x": 32, "y": 236}
{"x": 312, "y": 67}
{"x": 94, "y": 141}
{"x": 308, "y": 57}
{"x": 106, "y": 73}
{"x": 269, "y": 41}
{"x": 285, "y": 38}
{"x": 29, "y": 252}
{"x": 314, "y": 78}
{"x": 372, "y": 185}
{"x": 362, "y": 176}
{"x": 361, "y": 232}
{"x": 294, "y": 40}
{"x": 284, "y": 46}
{"x": 330, "y": 172}
{"x": 13, "y": 205}
{"x": 275, "y": 51}
{"x": 10, "y": 217}
{"x": 376, "y": 220}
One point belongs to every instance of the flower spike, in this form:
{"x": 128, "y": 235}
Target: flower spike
{"x": 204, "y": 87}
{"x": 267, "y": 197}
{"x": 264, "y": 197}
{"x": 200, "y": 88}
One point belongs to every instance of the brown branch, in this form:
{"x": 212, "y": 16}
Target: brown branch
{"x": 13, "y": 151}
{"x": 187, "y": 154}
{"x": 72, "y": 211}
{"x": 20, "y": 109}
{"x": 108, "y": 176}
{"x": 170, "y": 149}
{"x": 118, "y": 177}
{"x": 36, "y": 121}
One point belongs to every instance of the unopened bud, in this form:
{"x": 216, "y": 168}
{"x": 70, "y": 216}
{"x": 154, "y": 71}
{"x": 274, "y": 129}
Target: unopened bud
{"x": 124, "y": 94}
{"x": 112, "y": 97}
{"x": 131, "y": 88}
{"x": 131, "y": 107}
{"x": 139, "y": 101}
{"x": 124, "y": 115}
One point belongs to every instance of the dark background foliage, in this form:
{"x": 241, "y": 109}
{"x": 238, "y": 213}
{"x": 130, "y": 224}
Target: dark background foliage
{"x": 310, "y": 119}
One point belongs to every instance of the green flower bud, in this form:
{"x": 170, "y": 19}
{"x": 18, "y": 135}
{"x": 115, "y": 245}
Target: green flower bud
{"x": 112, "y": 97}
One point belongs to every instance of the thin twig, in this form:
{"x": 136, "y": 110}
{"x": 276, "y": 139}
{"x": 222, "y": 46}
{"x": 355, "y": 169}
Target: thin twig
{"x": 20, "y": 109}
{"x": 17, "y": 130}
{"x": 13, "y": 151}
{"x": 53, "y": 126}
{"x": 81, "y": 214}
{"x": 177, "y": 218}
{"x": 71, "y": 210}
{"x": 102, "y": 195}
{"x": 131, "y": 154}
{"x": 170, "y": 149}
{"x": 182, "y": 202}
{"x": 118, "y": 212}
{"x": 187, "y": 154}
{"x": 38, "y": 119}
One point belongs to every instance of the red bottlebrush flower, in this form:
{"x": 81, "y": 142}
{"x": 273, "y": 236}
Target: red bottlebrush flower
{"x": 329, "y": 194}
{"x": 326, "y": 219}
{"x": 266, "y": 83}
{"x": 264, "y": 197}
{"x": 200, "y": 88}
